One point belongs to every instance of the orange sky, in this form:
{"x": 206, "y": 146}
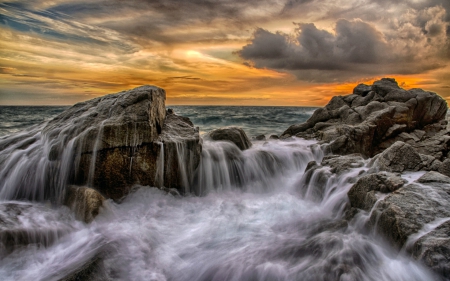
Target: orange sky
{"x": 62, "y": 52}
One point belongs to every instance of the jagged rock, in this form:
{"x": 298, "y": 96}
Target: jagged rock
{"x": 232, "y": 134}
{"x": 433, "y": 176}
{"x": 340, "y": 164}
{"x": 85, "y": 202}
{"x": 371, "y": 116}
{"x": 124, "y": 139}
{"x": 433, "y": 249}
{"x": 405, "y": 211}
{"x": 397, "y": 158}
{"x": 363, "y": 194}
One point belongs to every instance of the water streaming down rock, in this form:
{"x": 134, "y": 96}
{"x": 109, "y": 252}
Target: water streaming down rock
{"x": 253, "y": 223}
{"x": 270, "y": 212}
{"x": 109, "y": 143}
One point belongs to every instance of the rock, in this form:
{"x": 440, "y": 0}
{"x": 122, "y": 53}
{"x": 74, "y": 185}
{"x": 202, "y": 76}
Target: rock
{"x": 22, "y": 224}
{"x": 259, "y": 137}
{"x": 85, "y": 202}
{"x": 232, "y": 134}
{"x": 114, "y": 142}
{"x": 444, "y": 168}
{"x": 433, "y": 249}
{"x": 273, "y": 137}
{"x": 397, "y": 158}
{"x": 366, "y": 121}
{"x": 363, "y": 194}
{"x": 340, "y": 164}
{"x": 406, "y": 211}
{"x": 433, "y": 177}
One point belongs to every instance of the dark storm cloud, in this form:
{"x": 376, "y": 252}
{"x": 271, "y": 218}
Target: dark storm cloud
{"x": 414, "y": 43}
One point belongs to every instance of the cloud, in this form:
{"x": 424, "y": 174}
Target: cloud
{"x": 415, "y": 43}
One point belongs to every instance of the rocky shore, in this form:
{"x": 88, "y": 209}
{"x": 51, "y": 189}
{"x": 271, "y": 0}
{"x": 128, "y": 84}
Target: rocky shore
{"x": 402, "y": 131}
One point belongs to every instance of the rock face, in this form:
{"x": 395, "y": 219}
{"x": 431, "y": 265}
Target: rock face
{"x": 403, "y": 130}
{"x": 399, "y": 157}
{"x": 124, "y": 139}
{"x": 232, "y": 134}
{"x": 85, "y": 202}
{"x": 363, "y": 194}
{"x": 22, "y": 224}
{"x": 368, "y": 120}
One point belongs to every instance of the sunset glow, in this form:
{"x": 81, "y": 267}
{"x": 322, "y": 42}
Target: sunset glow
{"x": 219, "y": 52}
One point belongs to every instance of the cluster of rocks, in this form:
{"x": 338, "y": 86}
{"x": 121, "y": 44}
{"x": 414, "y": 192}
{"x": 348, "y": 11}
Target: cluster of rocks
{"x": 401, "y": 131}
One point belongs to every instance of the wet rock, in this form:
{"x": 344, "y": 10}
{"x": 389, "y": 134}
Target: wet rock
{"x": 363, "y": 194}
{"x": 273, "y": 137}
{"x": 399, "y": 157}
{"x": 232, "y": 134}
{"x": 433, "y": 176}
{"x": 22, "y": 224}
{"x": 340, "y": 164}
{"x": 433, "y": 249}
{"x": 444, "y": 168}
{"x": 114, "y": 142}
{"x": 85, "y": 202}
{"x": 366, "y": 121}
{"x": 407, "y": 210}
{"x": 259, "y": 137}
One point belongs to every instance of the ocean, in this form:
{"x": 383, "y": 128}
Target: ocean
{"x": 259, "y": 216}
{"x": 255, "y": 120}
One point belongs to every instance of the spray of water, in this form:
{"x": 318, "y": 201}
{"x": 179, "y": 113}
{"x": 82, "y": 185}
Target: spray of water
{"x": 258, "y": 216}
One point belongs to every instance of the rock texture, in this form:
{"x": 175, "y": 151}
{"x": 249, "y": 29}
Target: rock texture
{"x": 368, "y": 120}
{"x": 363, "y": 194}
{"x": 124, "y": 139}
{"x": 401, "y": 130}
{"x": 232, "y": 134}
{"x": 85, "y": 202}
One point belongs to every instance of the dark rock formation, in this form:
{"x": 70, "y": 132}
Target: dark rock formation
{"x": 273, "y": 137}
{"x": 259, "y": 137}
{"x": 408, "y": 210}
{"x": 85, "y": 202}
{"x": 124, "y": 139}
{"x": 399, "y": 157}
{"x": 363, "y": 194}
{"x": 366, "y": 121}
{"x": 232, "y": 134}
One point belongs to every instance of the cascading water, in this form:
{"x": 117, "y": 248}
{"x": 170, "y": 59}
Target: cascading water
{"x": 257, "y": 219}
{"x": 247, "y": 215}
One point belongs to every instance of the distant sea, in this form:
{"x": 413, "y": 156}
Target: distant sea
{"x": 255, "y": 120}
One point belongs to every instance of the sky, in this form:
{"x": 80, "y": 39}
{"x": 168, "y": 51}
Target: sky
{"x": 220, "y": 52}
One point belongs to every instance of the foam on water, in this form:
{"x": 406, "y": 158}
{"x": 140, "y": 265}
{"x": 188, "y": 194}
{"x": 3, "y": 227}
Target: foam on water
{"x": 256, "y": 218}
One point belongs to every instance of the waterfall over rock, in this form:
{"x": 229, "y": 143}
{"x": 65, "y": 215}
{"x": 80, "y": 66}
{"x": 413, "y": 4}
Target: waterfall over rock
{"x": 109, "y": 143}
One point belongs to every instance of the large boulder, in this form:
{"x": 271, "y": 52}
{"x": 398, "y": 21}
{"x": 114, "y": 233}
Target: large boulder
{"x": 108, "y": 143}
{"x": 231, "y": 134}
{"x": 371, "y": 116}
{"x": 134, "y": 143}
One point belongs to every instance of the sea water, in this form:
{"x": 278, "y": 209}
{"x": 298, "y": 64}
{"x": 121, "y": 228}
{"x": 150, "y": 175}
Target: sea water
{"x": 256, "y": 218}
